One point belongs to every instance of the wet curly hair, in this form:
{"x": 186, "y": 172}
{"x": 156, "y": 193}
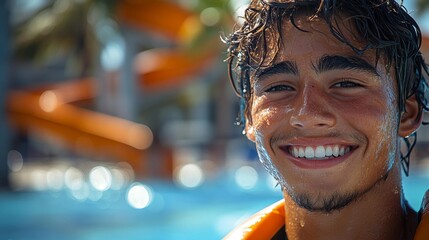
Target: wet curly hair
{"x": 383, "y": 25}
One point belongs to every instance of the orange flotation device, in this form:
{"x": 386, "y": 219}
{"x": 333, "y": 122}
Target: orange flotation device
{"x": 262, "y": 225}
{"x": 267, "y": 222}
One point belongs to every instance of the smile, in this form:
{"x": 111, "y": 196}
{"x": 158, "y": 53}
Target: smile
{"x": 319, "y": 152}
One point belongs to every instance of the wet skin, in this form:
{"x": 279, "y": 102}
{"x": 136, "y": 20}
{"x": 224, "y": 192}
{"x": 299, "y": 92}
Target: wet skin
{"x": 319, "y": 94}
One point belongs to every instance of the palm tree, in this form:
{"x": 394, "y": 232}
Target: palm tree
{"x": 61, "y": 30}
{"x": 68, "y": 29}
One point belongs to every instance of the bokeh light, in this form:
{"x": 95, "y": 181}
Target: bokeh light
{"x": 139, "y": 196}
{"x": 55, "y": 179}
{"x": 100, "y": 178}
{"x": 210, "y": 16}
{"x": 14, "y": 160}
{"x": 118, "y": 179}
{"x": 81, "y": 193}
{"x": 190, "y": 175}
{"x": 73, "y": 178}
{"x": 48, "y": 101}
{"x": 38, "y": 179}
{"x": 112, "y": 55}
{"x": 246, "y": 177}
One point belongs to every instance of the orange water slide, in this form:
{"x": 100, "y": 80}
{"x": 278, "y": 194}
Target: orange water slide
{"x": 159, "y": 16}
{"x": 161, "y": 69}
{"x": 50, "y": 112}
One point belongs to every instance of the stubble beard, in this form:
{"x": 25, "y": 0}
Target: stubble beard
{"x": 330, "y": 203}
{"x": 315, "y": 202}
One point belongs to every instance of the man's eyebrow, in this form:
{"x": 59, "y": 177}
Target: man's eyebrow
{"x": 335, "y": 62}
{"x": 285, "y": 67}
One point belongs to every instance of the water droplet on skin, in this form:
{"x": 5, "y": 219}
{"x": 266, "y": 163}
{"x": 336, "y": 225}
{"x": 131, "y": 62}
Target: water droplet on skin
{"x": 302, "y": 223}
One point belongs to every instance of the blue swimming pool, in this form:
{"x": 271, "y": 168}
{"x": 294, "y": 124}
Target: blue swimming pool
{"x": 206, "y": 212}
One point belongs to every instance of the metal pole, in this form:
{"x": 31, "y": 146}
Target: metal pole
{"x": 4, "y": 80}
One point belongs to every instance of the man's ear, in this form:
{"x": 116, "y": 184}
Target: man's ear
{"x": 411, "y": 118}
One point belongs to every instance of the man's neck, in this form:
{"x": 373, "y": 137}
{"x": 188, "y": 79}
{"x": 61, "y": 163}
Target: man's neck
{"x": 380, "y": 213}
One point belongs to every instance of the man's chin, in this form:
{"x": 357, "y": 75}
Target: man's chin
{"x": 324, "y": 203}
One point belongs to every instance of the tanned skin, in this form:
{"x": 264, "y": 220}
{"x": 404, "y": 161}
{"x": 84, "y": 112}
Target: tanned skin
{"x": 320, "y": 94}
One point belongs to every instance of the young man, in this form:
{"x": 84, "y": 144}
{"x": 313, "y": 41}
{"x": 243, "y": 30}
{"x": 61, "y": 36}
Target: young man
{"x": 329, "y": 88}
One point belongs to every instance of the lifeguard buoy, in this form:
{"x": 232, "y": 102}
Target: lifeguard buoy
{"x": 267, "y": 222}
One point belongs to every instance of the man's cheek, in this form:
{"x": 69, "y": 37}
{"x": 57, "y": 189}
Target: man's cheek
{"x": 266, "y": 158}
{"x": 264, "y": 118}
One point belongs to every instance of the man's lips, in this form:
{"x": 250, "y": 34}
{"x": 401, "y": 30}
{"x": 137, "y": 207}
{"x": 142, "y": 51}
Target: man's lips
{"x": 318, "y": 156}
{"x": 319, "y": 152}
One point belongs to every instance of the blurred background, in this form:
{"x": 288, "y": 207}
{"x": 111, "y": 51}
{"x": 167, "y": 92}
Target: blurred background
{"x": 117, "y": 122}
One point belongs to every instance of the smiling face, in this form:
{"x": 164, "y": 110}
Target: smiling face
{"x": 324, "y": 119}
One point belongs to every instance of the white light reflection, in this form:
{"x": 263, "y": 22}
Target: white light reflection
{"x": 73, "y": 178}
{"x": 246, "y": 177}
{"x": 118, "y": 179}
{"x": 210, "y": 16}
{"x": 38, "y": 179}
{"x": 48, "y": 101}
{"x": 55, "y": 179}
{"x": 14, "y": 160}
{"x": 126, "y": 170}
{"x": 139, "y": 196}
{"x": 190, "y": 176}
{"x": 81, "y": 193}
{"x": 113, "y": 53}
{"x": 100, "y": 178}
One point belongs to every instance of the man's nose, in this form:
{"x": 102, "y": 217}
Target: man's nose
{"x": 311, "y": 110}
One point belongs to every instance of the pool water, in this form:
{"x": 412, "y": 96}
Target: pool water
{"x": 206, "y": 212}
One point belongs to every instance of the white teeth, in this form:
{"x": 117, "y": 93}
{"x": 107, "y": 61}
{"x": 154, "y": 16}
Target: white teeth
{"x": 328, "y": 151}
{"x": 341, "y": 151}
{"x": 309, "y": 152}
{"x": 295, "y": 152}
{"x": 335, "y": 151}
{"x": 319, "y": 152}
{"x": 301, "y": 152}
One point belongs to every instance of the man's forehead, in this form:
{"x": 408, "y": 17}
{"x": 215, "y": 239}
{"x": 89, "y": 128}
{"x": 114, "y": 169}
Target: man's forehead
{"x": 270, "y": 49}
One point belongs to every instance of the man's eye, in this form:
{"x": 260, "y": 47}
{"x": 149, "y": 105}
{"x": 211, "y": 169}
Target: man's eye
{"x": 278, "y": 88}
{"x": 346, "y": 84}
